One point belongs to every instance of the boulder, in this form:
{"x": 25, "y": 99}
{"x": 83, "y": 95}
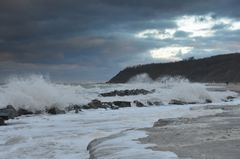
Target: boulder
{"x": 157, "y": 103}
{"x": 2, "y": 121}
{"x": 177, "y": 102}
{"x": 208, "y": 101}
{"x": 172, "y": 121}
{"x": 126, "y": 92}
{"x": 163, "y": 122}
{"x": 8, "y": 113}
{"x": 138, "y": 104}
{"x": 86, "y": 106}
{"x": 74, "y": 107}
{"x": 22, "y": 111}
{"x": 122, "y": 104}
{"x": 55, "y": 110}
{"x": 95, "y": 104}
{"x": 149, "y": 103}
{"x": 114, "y": 107}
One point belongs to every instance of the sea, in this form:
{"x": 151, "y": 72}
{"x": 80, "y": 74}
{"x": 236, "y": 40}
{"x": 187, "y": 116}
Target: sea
{"x": 107, "y": 133}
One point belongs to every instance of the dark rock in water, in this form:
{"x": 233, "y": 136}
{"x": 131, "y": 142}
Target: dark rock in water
{"x": 2, "y": 121}
{"x": 122, "y": 104}
{"x": 74, "y": 107}
{"x": 177, "y": 102}
{"x": 114, "y": 107}
{"x": 95, "y": 104}
{"x": 208, "y": 101}
{"x": 149, "y": 103}
{"x": 138, "y": 104}
{"x": 163, "y": 122}
{"x": 55, "y": 110}
{"x": 22, "y": 111}
{"x": 230, "y": 97}
{"x": 172, "y": 121}
{"x": 126, "y": 92}
{"x": 157, "y": 103}
{"x": 86, "y": 106}
{"x": 8, "y": 113}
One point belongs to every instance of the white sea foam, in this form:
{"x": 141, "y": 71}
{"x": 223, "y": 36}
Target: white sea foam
{"x": 67, "y": 135}
{"x": 37, "y": 93}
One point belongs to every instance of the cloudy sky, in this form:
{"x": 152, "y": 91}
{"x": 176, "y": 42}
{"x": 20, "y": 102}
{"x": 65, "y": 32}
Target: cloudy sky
{"x": 92, "y": 40}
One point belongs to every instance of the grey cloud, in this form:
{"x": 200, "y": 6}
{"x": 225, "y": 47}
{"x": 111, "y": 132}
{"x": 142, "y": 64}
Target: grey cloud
{"x": 39, "y": 35}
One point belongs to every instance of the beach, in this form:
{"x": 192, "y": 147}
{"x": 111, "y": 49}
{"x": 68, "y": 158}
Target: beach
{"x": 206, "y": 137}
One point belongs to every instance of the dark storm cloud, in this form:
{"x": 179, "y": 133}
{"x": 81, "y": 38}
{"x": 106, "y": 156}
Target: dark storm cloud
{"x": 40, "y": 35}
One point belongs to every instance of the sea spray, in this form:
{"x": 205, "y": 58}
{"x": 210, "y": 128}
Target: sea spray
{"x": 38, "y": 93}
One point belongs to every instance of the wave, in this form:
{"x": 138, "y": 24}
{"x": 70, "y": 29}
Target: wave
{"x": 37, "y": 92}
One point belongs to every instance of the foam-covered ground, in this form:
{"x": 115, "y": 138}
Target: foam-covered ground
{"x": 67, "y": 136}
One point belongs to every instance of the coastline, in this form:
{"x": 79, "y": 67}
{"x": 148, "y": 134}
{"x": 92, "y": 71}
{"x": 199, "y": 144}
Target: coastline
{"x": 207, "y": 137}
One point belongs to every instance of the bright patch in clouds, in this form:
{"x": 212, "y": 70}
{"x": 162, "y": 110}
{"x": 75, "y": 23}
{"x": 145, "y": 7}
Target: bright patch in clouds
{"x": 157, "y": 34}
{"x": 195, "y": 25}
{"x": 170, "y": 52}
{"x": 235, "y": 26}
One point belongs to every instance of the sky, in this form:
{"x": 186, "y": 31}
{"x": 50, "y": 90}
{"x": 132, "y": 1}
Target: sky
{"x": 92, "y": 40}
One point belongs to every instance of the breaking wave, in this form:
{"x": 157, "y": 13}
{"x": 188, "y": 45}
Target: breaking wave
{"x": 37, "y": 92}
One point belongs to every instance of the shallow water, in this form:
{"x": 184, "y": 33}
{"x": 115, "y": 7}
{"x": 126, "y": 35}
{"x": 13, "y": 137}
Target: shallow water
{"x": 68, "y": 135}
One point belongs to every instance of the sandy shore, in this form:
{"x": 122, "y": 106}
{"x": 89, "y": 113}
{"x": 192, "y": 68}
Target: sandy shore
{"x": 208, "y": 137}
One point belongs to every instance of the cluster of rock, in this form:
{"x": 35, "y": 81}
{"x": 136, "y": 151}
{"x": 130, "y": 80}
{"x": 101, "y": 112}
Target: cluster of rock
{"x": 181, "y": 102}
{"x": 127, "y": 92}
{"x": 9, "y": 112}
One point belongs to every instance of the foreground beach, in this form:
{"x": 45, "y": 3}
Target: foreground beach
{"x": 206, "y": 137}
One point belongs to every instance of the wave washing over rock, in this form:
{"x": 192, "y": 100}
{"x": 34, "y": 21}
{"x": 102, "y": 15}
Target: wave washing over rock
{"x": 38, "y": 93}
{"x": 107, "y": 133}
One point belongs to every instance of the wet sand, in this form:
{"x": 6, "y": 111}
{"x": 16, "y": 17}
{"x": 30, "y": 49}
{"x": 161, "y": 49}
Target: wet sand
{"x": 207, "y": 137}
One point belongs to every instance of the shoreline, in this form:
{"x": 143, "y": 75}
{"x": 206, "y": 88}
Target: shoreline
{"x": 207, "y": 137}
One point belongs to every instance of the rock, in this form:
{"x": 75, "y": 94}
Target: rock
{"x": 177, "y": 102}
{"x": 114, "y": 107}
{"x": 2, "y": 121}
{"x": 8, "y": 113}
{"x": 172, "y": 121}
{"x": 95, "y": 104}
{"x": 86, "y": 107}
{"x": 74, "y": 107}
{"x": 22, "y": 111}
{"x": 163, "y": 122}
{"x": 55, "y": 110}
{"x": 149, "y": 103}
{"x": 126, "y": 92}
{"x": 157, "y": 103}
{"x": 122, "y": 104}
{"x": 138, "y": 104}
{"x": 208, "y": 101}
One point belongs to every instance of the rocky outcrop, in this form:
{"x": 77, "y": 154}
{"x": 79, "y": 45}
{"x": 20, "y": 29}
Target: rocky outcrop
{"x": 55, "y": 110}
{"x": 8, "y": 113}
{"x": 122, "y": 104}
{"x": 126, "y": 92}
{"x": 22, "y": 111}
{"x": 181, "y": 102}
{"x": 2, "y": 121}
{"x": 138, "y": 104}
